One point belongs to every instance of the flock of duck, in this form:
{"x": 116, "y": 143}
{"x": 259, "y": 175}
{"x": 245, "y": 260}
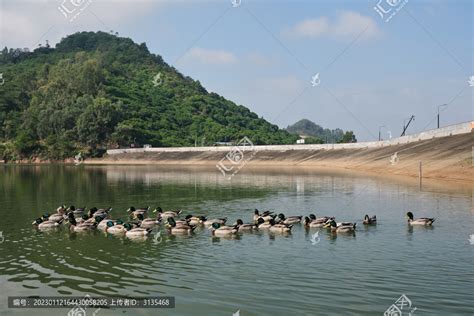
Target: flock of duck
{"x": 141, "y": 222}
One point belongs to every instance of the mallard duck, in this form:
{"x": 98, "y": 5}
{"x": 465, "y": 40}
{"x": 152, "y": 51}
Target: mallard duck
{"x": 116, "y": 228}
{"x": 181, "y": 229}
{"x": 147, "y": 222}
{"x": 84, "y": 226}
{"x": 261, "y": 224}
{"x": 52, "y": 218}
{"x": 167, "y": 214}
{"x": 76, "y": 211}
{"x": 419, "y": 221}
{"x": 344, "y": 227}
{"x": 370, "y": 220}
{"x": 220, "y": 231}
{"x": 266, "y": 216}
{"x": 289, "y": 220}
{"x": 279, "y": 227}
{"x": 41, "y": 224}
{"x": 244, "y": 227}
{"x": 195, "y": 220}
{"x": 138, "y": 232}
{"x": 105, "y": 223}
{"x": 220, "y": 221}
{"x": 313, "y": 222}
{"x": 102, "y": 212}
{"x": 135, "y": 211}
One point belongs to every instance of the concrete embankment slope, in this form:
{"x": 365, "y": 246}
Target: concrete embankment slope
{"x": 442, "y": 157}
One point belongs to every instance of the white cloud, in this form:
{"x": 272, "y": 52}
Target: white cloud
{"x": 209, "y": 56}
{"x": 346, "y": 24}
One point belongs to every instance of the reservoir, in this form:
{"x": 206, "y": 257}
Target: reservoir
{"x": 307, "y": 272}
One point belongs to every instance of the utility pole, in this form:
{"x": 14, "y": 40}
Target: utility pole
{"x": 412, "y": 118}
{"x": 439, "y": 106}
{"x": 380, "y": 130}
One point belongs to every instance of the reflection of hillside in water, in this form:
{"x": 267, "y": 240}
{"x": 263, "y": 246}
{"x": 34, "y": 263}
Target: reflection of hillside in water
{"x": 298, "y": 182}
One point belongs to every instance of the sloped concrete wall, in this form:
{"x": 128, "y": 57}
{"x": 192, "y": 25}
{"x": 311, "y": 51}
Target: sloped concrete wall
{"x": 462, "y": 128}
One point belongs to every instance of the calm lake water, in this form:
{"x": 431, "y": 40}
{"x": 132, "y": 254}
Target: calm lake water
{"x": 258, "y": 274}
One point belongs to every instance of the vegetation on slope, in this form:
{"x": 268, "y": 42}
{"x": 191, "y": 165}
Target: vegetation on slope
{"x": 315, "y": 134}
{"x": 95, "y": 91}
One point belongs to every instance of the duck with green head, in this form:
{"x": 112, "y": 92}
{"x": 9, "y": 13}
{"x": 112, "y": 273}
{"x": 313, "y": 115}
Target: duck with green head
{"x": 289, "y": 220}
{"x": 166, "y": 214}
{"x": 279, "y": 227}
{"x": 133, "y": 212}
{"x": 345, "y": 227}
{"x": 266, "y": 216}
{"x": 84, "y": 226}
{"x": 178, "y": 229}
{"x": 244, "y": 227}
{"x": 105, "y": 222}
{"x": 147, "y": 222}
{"x": 116, "y": 228}
{"x": 195, "y": 220}
{"x": 423, "y": 221}
{"x": 220, "y": 221}
{"x": 136, "y": 233}
{"x": 262, "y": 224}
{"x": 219, "y": 230}
{"x": 43, "y": 223}
{"x": 370, "y": 220}
{"x": 76, "y": 211}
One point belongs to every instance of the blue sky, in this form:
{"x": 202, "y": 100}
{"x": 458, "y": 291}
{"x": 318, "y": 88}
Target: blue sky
{"x": 262, "y": 54}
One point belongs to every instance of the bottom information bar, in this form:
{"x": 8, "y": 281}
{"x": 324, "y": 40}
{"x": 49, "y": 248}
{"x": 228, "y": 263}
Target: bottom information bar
{"x": 89, "y": 301}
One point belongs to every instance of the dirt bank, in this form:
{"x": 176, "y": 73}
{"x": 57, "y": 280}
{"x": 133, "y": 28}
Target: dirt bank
{"x": 448, "y": 158}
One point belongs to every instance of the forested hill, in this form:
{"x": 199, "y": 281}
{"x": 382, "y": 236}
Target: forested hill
{"x": 96, "y": 90}
{"x": 317, "y": 134}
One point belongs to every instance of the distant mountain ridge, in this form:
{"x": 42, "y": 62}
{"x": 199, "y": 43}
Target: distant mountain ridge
{"x": 306, "y": 127}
